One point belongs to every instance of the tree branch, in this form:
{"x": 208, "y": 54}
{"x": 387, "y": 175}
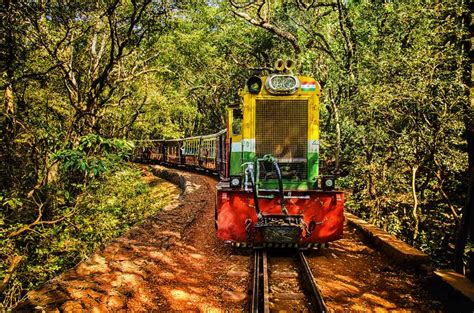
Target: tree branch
{"x": 11, "y": 269}
{"x": 38, "y": 221}
{"x": 268, "y": 26}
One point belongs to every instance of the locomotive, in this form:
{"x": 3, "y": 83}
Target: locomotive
{"x": 270, "y": 192}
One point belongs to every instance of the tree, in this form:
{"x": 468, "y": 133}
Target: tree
{"x": 465, "y": 230}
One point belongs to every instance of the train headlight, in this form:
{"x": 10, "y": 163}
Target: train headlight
{"x": 235, "y": 181}
{"x": 254, "y": 85}
{"x": 282, "y": 84}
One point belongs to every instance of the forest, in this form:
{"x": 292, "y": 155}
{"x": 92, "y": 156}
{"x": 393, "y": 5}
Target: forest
{"x": 82, "y": 79}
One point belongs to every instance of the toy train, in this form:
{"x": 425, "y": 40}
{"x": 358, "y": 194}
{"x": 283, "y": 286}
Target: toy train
{"x": 270, "y": 193}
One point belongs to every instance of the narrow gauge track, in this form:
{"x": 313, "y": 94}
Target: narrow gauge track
{"x": 284, "y": 282}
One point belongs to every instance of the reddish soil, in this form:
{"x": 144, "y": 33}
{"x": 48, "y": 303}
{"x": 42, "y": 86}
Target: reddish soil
{"x": 355, "y": 277}
{"x": 174, "y": 262}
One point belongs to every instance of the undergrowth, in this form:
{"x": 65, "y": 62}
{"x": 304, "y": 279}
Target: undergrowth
{"x": 109, "y": 206}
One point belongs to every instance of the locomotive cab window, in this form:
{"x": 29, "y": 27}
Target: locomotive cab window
{"x": 236, "y": 121}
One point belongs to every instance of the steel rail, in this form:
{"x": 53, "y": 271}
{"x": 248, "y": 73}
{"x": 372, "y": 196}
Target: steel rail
{"x": 255, "y": 303}
{"x": 317, "y": 299}
{"x": 260, "y": 301}
{"x": 266, "y": 289}
{"x": 260, "y": 290}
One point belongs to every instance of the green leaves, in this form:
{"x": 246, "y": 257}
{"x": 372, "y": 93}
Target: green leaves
{"x": 106, "y": 209}
{"x": 93, "y": 156}
{"x": 407, "y": 114}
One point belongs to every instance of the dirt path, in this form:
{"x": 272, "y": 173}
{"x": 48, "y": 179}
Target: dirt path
{"x": 354, "y": 277}
{"x": 174, "y": 262}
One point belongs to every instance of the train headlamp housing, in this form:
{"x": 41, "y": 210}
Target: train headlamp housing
{"x": 254, "y": 85}
{"x": 328, "y": 182}
{"x": 279, "y": 84}
{"x": 235, "y": 181}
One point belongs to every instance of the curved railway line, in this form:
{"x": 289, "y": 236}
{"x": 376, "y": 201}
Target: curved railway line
{"x": 172, "y": 262}
{"x": 284, "y": 281}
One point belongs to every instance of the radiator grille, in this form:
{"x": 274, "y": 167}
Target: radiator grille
{"x": 282, "y": 131}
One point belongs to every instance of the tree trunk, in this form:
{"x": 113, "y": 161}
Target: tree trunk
{"x": 338, "y": 136}
{"x": 414, "y": 169}
{"x": 7, "y": 135}
{"x": 9, "y": 105}
{"x": 465, "y": 231}
{"x": 8, "y": 121}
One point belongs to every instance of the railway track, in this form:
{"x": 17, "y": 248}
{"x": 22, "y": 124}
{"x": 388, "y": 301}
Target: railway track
{"x": 284, "y": 283}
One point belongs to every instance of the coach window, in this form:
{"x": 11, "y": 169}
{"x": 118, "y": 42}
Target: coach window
{"x": 236, "y": 121}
